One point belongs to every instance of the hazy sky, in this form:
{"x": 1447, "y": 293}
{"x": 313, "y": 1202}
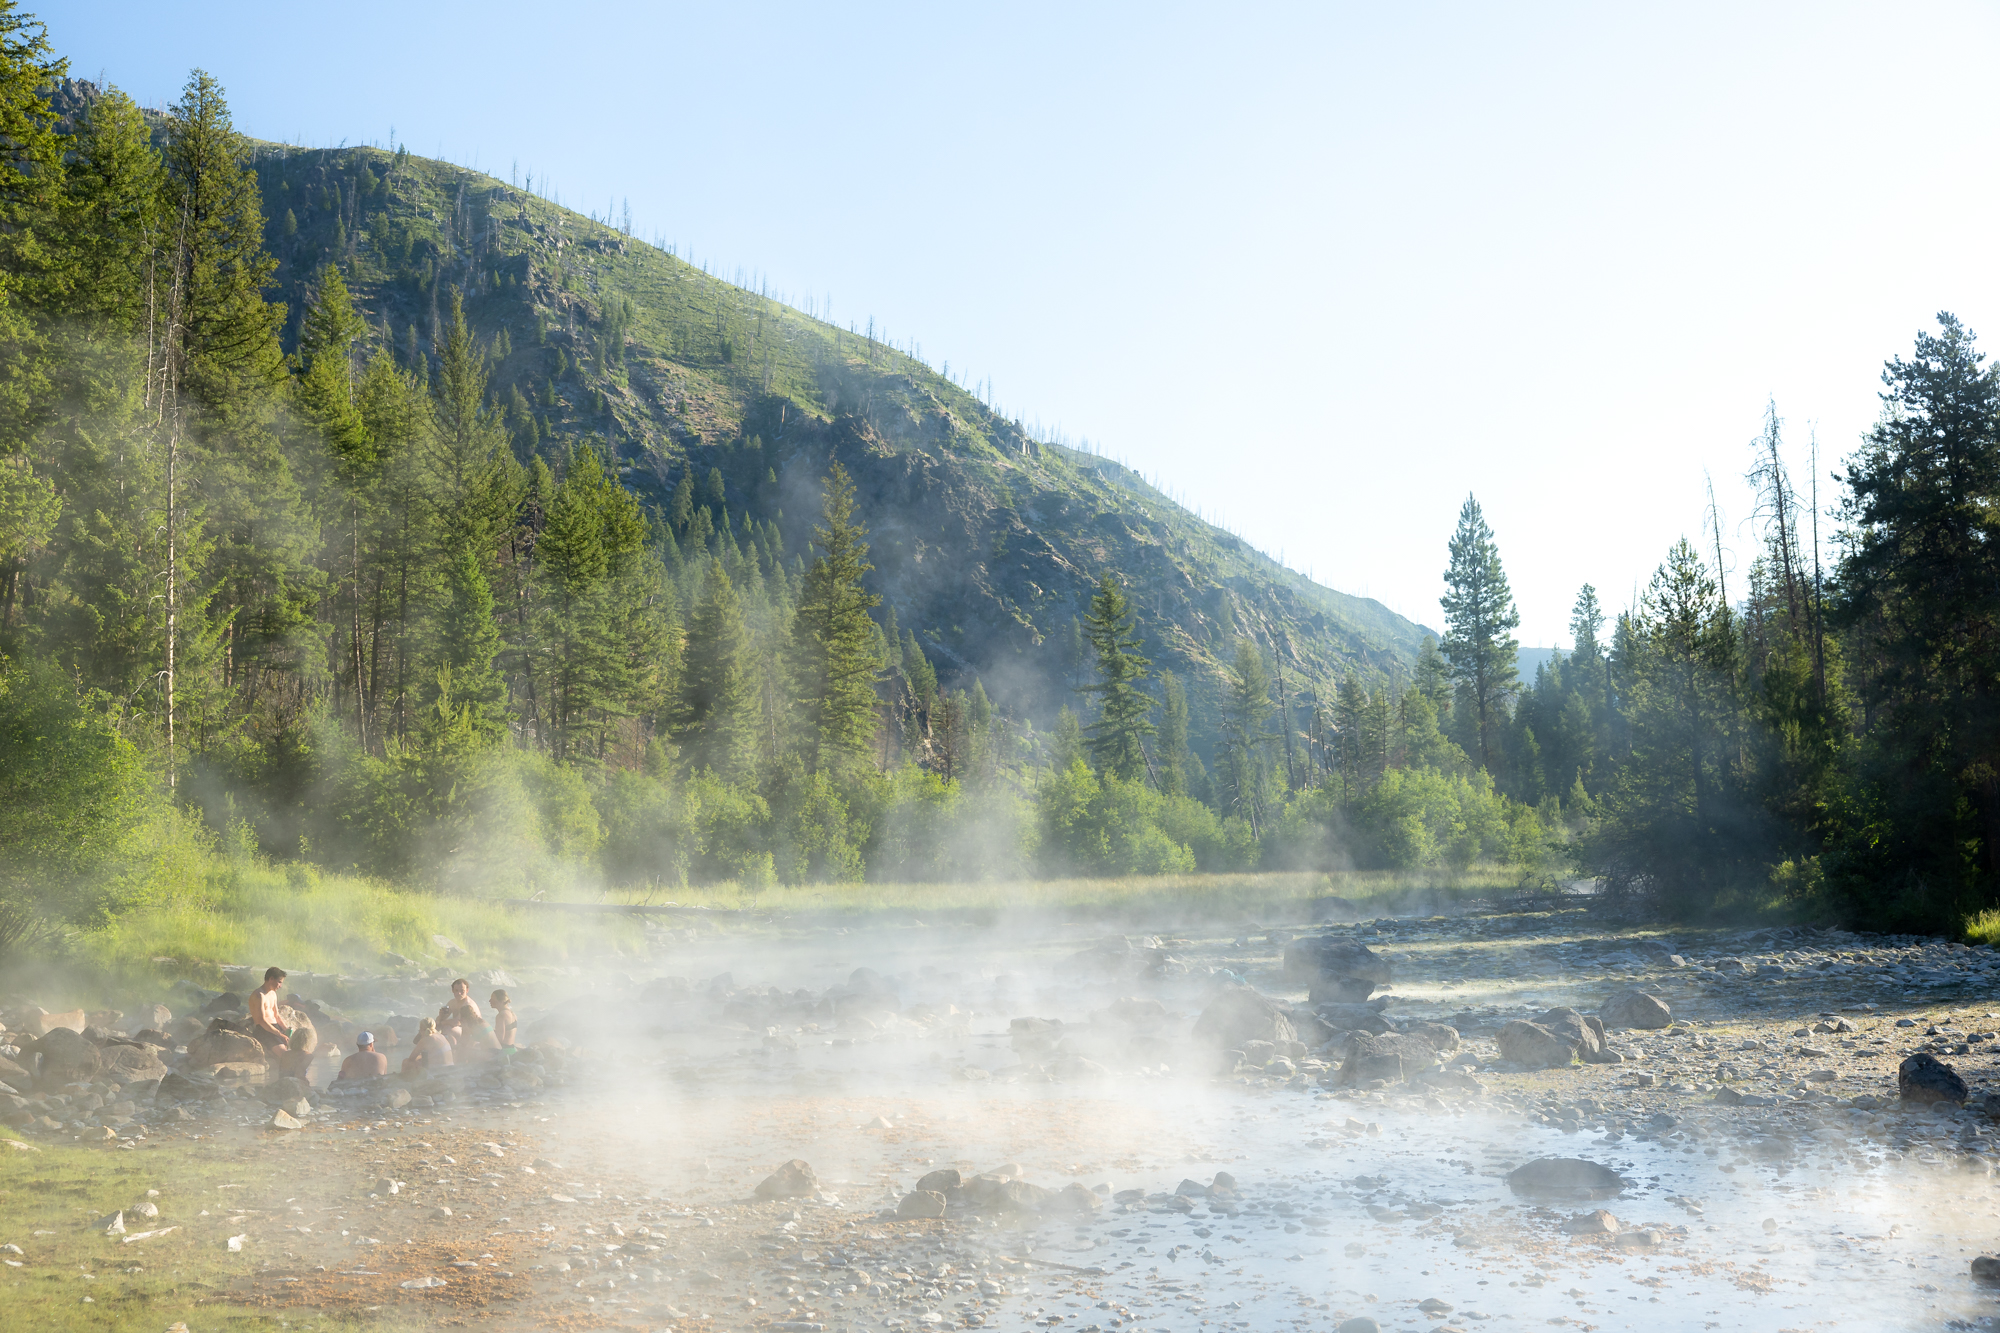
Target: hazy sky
{"x": 1321, "y": 270}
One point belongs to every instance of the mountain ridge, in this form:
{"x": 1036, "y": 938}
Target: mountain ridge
{"x": 986, "y": 541}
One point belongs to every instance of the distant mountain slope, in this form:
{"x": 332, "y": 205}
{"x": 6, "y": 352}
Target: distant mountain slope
{"x": 986, "y": 542}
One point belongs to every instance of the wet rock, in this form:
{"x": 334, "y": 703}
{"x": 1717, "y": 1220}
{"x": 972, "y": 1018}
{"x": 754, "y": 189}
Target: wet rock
{"x": 1362, "y": 1324}
{"x": 1442, "y": 1039}
{"x": 224, "y": 1046}
{"x": 1597, "y": 1222}
{"x": 1074, "y": 1199}
{"x": 921, "y": 1203}
{"x": 1636, "y": 1009}
{"x": 1925, "y": 1078}
{"x": 1393, "y": 1057}
{"x": 993, "y": 1195}
{"x": 1337, "y": 970}
{"x": 793, "y": 1180}
{"x": 1354, "y": 1018}
{"x": 1533, "y": 1046}
{"x": 126, "y": 1064}
{"x": 1240, "y": 1016}
{"x": 178, "y": 1087}
{"x": 66, "y": 1057}
{"x": 944, "y": 1178}
{"x": 1986, "y": 1268}
{"x": 1565, "y": 1176}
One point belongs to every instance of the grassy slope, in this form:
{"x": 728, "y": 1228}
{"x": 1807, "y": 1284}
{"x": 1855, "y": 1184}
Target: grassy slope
{"x": 986, "y": 542}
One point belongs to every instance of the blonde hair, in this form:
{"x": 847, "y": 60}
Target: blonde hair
{"x": 427, "y": 1027}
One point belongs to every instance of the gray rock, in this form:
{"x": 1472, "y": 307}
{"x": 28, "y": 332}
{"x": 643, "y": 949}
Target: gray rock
{"x": 1925, "y": 1078}
{"x": 1565, "y": 1176}
{"x": 1535, "y": 1047}
{"x": 944, "y": 1178}
{"x": 1240, "y": 1016}
{"x": 1393, "y": 1057}
{"x": 1636, "y": 1009}
{"x": 1597, "y": 1222}
{"x": 793, "y": 1180}
{"x": 1442, "y": 1039}
{"x": 1333, "y": 969}
{"x": 1354, "y": 1018}
{"x": 1362, "y": 1324}
{"x": 921, "y": 1203}
{"x": 1986, "y": 1268}
{"x": 66, "y": 1057}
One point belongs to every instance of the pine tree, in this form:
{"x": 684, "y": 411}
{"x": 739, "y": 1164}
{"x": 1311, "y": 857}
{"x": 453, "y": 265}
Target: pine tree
{"x": 835, "y": 652}
{"x": 112, "y": 217}
{"x": 1174, "y": 750}
{"x": 477, "y": 484}
{"x": 326, "y": 388}
{"x": 1243, "y": 763}
{"x": 31, "y": 193}
{"x": 1479, "y": 615}
{"x": 1117, "y": 739}
{"x": 716, "y": 719}
{"x": 467, "y": 644}
{"x": 228, "y": 358}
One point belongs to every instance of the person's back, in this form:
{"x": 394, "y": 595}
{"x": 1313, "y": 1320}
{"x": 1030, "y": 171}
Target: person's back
{"x": 430, "y": 1050}
{"x": 364, "y": 1064}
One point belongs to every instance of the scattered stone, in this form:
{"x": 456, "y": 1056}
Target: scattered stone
{"x": 1925, "y": 1078}
{"x": 919, "y": 1204}
{"x": 793, "y": 1180}
{"x": 1334, "y": 969}
{"x": 1240, "y": 1016}
{"x": 1636, "y": 1009}
{"x": 1565, "y": 1175}
{"x": 1596, "y": 1222}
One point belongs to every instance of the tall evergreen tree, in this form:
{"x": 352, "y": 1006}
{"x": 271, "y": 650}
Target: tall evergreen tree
{"x": 835, "y": 650}
{"x": 112, "y": 218}
{"x": 716, "y": 720}
{"x": 1117, "y": 739}
{"x": 1920, "y": 594}
{"x": 1175, "y": 753}
{"x": 1242, "y": 759}
{"x": 467, "y": 644}
{"x": 31, "y": 195}
{"x": 1479, "y": 619}
{"x": 476, "y": 484}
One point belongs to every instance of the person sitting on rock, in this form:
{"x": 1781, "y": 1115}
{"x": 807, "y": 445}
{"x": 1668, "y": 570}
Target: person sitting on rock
{"x": 459, "y": 1012}
{"x": 431, "y": 1051}
{"x": 265, "y": 1025}
{"x": 366, "y": 1062}
{"x": 476, "y": 1043}
{"x": 505, "y": 1025}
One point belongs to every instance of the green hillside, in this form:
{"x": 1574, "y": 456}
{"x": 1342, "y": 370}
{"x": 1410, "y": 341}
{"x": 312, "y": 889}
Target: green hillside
{"x": 985, "y": 541}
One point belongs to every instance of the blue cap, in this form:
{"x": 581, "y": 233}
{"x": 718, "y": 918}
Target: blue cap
{"x": 365, "y": 1039}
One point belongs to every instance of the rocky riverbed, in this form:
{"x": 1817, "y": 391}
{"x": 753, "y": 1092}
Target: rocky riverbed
{"x": 771, "y": 1124}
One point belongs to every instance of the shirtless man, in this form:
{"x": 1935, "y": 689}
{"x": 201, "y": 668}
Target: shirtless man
{"x": 265, "y": 1024}
{"x": 460, "y": 1012}
{"x": 366, "y": 1062}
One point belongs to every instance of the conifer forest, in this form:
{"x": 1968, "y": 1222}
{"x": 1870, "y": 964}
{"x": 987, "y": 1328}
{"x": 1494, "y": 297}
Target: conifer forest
{"x": 366, "y": 514}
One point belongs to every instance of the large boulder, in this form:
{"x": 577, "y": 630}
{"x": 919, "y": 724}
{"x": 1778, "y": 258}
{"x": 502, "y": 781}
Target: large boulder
{"x": 17, "y": 1075}
{"x": 66, "y": 1057}
{"x": 1337, "y": 970}
{"x": 1565, "y": 1176}
{"x": 1354, "y": 1017}
{"x": 1635, "y": 1009}
{"x": 1533, "y": 1046}
{"x": 1393, "y": 1057}
{"x": 1240, "y": 1016}
{"x": 125, "y": 1062}
{"x": 224, "y": 1046}
{"x": 1442, "y": 1038}
{"x": 794, "y": 1180}
{"x": 1925, "y": 1078}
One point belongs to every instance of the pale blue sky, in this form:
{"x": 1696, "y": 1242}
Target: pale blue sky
{"x": 1319, "y": 269}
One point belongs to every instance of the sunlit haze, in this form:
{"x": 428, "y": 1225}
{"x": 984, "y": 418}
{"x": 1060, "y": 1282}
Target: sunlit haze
{"x": 1317, "y": 270}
